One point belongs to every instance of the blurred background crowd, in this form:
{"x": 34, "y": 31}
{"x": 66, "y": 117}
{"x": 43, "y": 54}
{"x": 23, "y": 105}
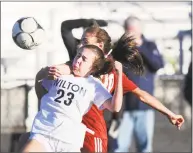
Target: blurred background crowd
{"x": 164, "y": 28}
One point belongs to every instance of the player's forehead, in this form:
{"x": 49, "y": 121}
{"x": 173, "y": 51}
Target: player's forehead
{"x": 89, "y": 36}
{"x": 87, "y": 53}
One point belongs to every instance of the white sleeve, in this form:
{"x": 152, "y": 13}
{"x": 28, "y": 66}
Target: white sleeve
{"x": 47, "y": 84}
{"x": 101, "y": 95}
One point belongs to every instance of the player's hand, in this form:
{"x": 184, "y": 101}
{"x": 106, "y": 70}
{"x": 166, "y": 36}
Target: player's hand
{"x": 118, "y": 67}
{"x": 177, "y": 120}
{"x": 53, "y": 73}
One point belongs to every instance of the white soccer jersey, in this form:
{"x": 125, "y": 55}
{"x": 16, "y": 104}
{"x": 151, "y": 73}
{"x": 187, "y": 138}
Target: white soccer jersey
{"x": 62, "y": 108}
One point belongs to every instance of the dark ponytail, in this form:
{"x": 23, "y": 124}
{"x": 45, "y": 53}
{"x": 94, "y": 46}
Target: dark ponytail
{"x": 126, "y": 52}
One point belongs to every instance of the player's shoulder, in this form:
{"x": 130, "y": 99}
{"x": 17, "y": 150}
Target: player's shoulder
{"x": 96, "y": 82}
{"x": 94, "y": 79}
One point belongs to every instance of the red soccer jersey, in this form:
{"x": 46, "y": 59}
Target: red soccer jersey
{"x": 94, "y": 119}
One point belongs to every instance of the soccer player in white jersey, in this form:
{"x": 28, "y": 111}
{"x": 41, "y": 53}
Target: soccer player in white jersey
{"x": 57, "y": 127}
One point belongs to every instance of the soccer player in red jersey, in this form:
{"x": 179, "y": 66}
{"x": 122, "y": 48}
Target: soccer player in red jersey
{"x": 126, "y": 46}
{"x": 94, "y": 119}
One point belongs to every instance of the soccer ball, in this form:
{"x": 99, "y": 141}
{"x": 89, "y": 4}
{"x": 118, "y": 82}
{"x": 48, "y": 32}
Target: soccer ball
{"x": 27, "y": 33}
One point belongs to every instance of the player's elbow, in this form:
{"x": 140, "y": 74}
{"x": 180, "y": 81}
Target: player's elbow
{"x": 141, "y": 94}
{"x": 64, "y": 26}
{"x": 116, "y": 107}
{"x": 113, "y": 105}
{"x": 41, "y": 74}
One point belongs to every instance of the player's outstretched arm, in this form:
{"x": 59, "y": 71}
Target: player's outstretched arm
{"x": 177, "y": 120}
{"x": 115, "y": 103}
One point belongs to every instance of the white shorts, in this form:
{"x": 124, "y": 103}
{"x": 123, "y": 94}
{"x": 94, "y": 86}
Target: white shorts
{"x": 53, "y": 145}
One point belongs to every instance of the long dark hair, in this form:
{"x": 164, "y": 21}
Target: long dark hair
{"x": 101, "y": 64}
{"x": 126, "y": 52}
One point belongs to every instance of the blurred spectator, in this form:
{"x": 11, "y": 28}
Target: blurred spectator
{"x": 188, "y": 83}
{"x": 138, "y": 118}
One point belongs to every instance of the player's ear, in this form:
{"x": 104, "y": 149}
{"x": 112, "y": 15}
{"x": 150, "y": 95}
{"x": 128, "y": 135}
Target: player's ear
{"x": 93, "y": 69}
{"x": 101, "y": 45}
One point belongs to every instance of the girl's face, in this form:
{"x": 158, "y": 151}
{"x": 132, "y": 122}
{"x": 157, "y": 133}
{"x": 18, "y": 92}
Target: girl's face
{"x": 83, "y": 62}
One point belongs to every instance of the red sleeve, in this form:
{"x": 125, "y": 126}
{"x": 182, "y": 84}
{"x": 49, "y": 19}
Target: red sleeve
{"x": 128, "y": 85}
